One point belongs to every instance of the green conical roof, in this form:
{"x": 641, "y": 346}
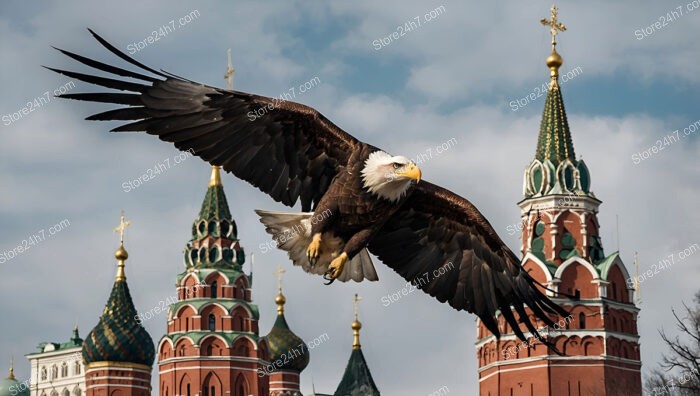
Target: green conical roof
{"x": 119, "y": 336}
{"x": 357, "y": 380}
{"x": 555, "y": 170}
{"x": 554, "y": 142}
{"x": 214, "y": 242}
{"x": 215, "y": 206}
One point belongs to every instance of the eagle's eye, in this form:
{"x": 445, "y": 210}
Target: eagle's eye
{"x": 397, "y": 165}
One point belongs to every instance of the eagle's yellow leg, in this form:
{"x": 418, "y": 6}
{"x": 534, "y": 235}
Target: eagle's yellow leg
{"x": 336, "y": 266}
{"x": 314, "y": 249}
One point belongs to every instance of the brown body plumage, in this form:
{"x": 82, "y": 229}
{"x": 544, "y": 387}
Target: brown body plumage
{"x": 354, "y": 209}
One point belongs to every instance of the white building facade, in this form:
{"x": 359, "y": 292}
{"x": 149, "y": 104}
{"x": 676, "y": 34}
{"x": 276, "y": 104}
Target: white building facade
{"x": 57, "y": 369}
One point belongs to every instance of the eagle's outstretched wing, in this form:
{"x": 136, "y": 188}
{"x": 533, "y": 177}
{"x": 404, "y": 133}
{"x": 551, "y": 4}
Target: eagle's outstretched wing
{"x": 442, "y": 244}
{"x": 287, "y": 150}
{"x": 437, "y": 240}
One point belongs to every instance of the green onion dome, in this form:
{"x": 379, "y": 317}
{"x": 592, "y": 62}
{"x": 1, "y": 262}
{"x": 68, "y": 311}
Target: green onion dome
{"x": 11, "y": 387}
{"x": 119, "y": 336}
{"x": 287, "y": 350}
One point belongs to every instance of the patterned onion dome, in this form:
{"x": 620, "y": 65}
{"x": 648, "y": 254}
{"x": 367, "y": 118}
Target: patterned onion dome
{"x": 287, "y": 350}
{"x": 119, "y": 337}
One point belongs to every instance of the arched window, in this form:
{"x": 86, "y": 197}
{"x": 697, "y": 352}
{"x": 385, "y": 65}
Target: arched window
{"x": 65, "y": 392}
{"x": 212, "y": 322}
{"x": 64, "y": 371}
{"x": 213, "y": 289}
{"x": 43, "y": 373}
{"x": 54, "y": 372}
{"x": 188, "y": 389}
{"x": 77, "y": 391}
{"x": 581, "y": 320}
{"x": 76, "y": 368}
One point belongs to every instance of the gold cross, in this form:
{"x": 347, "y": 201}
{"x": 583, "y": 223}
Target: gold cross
{"x": 121, "y": 227}
{"x": 554, "y": 25}
{"x": 356, "y": 303}
{"x": 229, "y": 71}
{"x": 279, "y": 273}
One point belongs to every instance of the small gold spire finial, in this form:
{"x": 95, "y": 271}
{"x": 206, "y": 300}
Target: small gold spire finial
{"x": 554, "y": 60}
{"x": 229, "y": 71}
{"x": 215, "y": 179}
{"x": 123, "y": 224}
{"x": 280, "y": 300}
{"x": 637, "y": 289}
{"x": 12, "y": 369}
{"x": 121, "y": 255}
{"x": 356, "y": 325}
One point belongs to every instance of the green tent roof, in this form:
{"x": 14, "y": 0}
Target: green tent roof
{"x": 215, "y": 206}
{"x": 357, "y": 380}
{"x": 554, "y": 142}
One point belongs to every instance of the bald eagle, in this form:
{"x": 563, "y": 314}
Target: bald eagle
{"x": 355, "y": 198}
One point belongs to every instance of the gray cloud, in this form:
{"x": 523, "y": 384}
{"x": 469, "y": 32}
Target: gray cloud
{"x": 53, "y": 166}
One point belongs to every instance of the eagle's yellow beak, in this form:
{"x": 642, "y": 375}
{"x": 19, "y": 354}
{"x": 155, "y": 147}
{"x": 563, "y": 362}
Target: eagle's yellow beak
{"x": 412, "y": 171}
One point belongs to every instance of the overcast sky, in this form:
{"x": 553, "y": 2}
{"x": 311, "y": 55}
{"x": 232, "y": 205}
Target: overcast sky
{"x": 453, "y": 77}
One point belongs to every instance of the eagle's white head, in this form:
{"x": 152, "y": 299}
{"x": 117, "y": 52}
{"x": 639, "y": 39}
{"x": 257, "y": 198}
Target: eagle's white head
{"x": 389, "y": 177}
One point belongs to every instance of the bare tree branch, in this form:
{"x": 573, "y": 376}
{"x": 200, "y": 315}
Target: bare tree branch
{"x": 681, "y": 365}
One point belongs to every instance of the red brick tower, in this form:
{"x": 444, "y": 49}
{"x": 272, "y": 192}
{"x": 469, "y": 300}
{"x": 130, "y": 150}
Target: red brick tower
{"x": 562, "y": 249}
{"x": 118, "y": 353}
{"x": 212, "y": 347}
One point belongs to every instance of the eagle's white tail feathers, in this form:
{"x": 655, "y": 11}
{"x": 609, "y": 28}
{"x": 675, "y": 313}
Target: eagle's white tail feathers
{"x": 292, "y": 233}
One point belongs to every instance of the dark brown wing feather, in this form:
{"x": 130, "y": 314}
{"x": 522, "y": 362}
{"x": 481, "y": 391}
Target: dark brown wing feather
{"x": 287, "y": 150}
{"x": 442, "y": 244}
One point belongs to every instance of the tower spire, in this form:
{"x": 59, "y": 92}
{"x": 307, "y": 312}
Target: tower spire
{"x": 121, "y": 255}
{"x": 229, "y": 71}
{"x": 357, "y": 374}
{"x": 554, "y": 142}
{"x": 356, "y": 325}
{"x": 280, "y": 300}
{"x": 215, "y": 178}
{"x": 554, "y": 60}
{"x": 12, "y": 368}
{"x": 637, "y": 290}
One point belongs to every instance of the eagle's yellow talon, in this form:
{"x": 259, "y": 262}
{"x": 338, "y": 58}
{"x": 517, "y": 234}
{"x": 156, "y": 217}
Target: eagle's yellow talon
{"x": 314, "y": 249}
{"x": 336, "y": 266}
